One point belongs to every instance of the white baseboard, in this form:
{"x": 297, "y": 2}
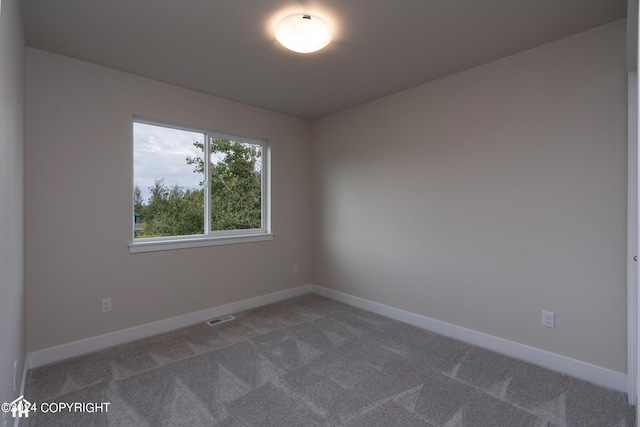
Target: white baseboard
{"x": 88, "y": 345}
{"x": 25, "y": 368}
{"x": 566, "y": 365}
{"x": 576, "y": 368}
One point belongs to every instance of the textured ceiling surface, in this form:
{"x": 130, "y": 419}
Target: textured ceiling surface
{"x": 226, "y": 47}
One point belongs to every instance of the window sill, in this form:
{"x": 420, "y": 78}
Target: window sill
{"x": 196, "y": 242}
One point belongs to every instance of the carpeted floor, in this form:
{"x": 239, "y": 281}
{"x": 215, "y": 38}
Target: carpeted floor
{"x": 311, "y": 361}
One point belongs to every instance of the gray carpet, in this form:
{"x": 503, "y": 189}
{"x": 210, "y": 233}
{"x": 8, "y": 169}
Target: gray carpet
{"x": 311, "y": 361}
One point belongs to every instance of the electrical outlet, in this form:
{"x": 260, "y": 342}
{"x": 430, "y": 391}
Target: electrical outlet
{"x": 548, "y": 319}
{"x": 296, "y": 269}
{"x": 106, "y": 305}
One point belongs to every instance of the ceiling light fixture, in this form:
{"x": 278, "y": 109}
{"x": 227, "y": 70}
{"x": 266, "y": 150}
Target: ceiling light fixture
{"x": 303, "y": 33}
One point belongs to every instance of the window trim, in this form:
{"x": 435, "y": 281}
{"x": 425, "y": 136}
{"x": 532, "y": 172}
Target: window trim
{"x": 153, "y": 244}
{"x": 215, "y": 237}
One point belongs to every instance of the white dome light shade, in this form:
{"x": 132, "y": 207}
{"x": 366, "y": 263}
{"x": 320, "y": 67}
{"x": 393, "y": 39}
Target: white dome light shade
{"x": 303, "y": 33}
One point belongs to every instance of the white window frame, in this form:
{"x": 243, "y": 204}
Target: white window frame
{"x": 216, "y": 237}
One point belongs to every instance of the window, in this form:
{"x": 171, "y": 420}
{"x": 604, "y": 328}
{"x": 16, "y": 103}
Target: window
{"x": 196, "y": 188}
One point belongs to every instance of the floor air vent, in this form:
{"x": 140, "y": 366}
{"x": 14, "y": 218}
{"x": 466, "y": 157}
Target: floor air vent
{"x": 219, "y": 320}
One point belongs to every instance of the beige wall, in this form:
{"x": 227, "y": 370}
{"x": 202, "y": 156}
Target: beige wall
{"x": 485, "y": 197}
{"x": 12, "y": 306}
{"x": 78, "y": 155}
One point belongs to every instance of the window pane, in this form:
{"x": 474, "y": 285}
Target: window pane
{"x": 168, "y": 172}
{"x": 236, "y": 185}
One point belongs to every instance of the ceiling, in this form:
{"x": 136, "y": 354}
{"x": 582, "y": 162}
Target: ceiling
{"x": 226, "y": 47}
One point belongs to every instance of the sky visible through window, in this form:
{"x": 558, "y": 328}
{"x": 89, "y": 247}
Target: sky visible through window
{"x": 161, "y": 152}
